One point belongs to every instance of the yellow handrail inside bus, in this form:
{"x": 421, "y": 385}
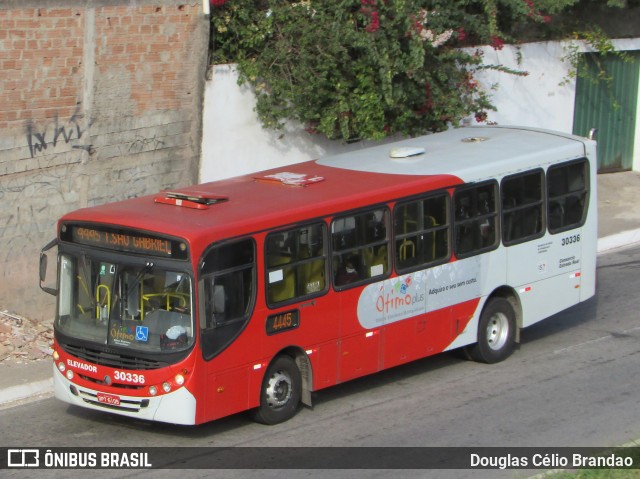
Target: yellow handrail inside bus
{"x": 169, "y": 296}
{"x": 181, "y": 297}
{"x": 107, "y": 296}
{"x": 406, "y": 244}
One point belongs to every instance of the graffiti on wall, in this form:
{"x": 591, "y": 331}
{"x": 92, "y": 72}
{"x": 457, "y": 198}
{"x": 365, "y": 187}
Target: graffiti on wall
{"x": 59, "y": 132}
{"x": 27, "y": 222}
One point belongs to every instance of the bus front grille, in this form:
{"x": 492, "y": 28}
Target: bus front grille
{"x": 119, "y": 361}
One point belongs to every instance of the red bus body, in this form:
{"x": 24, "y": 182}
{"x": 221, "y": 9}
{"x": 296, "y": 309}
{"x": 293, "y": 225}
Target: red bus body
{"x": 329, "y": 343}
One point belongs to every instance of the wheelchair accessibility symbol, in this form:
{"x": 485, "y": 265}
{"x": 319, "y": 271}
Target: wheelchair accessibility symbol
{"x": 142, "y": 333}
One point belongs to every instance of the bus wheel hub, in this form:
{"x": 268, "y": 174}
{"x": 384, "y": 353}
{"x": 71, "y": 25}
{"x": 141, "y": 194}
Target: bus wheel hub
{"x": 278, "y": 390}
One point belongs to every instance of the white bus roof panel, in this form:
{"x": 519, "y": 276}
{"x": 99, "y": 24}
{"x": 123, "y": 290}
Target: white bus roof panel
{"x": 472, "y": 153}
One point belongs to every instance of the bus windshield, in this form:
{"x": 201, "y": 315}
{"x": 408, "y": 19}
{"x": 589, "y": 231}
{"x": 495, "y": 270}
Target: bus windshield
{"x": 139, "y": 307}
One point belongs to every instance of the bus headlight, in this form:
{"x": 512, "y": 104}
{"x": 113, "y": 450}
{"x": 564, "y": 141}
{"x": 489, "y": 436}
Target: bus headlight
{"x": 61, "y": 367}
{"x": 69, "y": 374}
{"x": 153, "y": 390}
{"x": 166, "y": 387}
{"x": 179, "y": 379}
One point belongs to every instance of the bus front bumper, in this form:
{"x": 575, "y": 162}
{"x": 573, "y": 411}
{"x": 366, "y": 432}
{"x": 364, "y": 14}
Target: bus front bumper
{"x": 176, "y": 407}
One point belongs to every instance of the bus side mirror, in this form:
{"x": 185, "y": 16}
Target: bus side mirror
{"x": 44, "y": 259}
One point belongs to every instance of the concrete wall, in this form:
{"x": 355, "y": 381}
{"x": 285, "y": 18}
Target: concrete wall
{"x": 100, "y": 100}
{"x": 234, "y": 142}
{"x": 546, "y": 97}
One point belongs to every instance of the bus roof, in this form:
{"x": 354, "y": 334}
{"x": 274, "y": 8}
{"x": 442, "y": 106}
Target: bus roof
{"x": 473, "y": 154}
{"x": 264, "y": 200}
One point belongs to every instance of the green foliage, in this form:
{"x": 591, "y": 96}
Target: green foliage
{"x": 598, "y": 42}
{"x": 366, "y": 69}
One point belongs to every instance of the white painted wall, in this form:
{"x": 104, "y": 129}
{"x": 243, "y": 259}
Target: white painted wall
{"x": 535, "y": 100}
{"x": 235, "y": 143}
{"x": 538, "y": 100}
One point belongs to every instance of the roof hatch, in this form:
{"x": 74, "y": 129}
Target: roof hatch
{"x": 406, "y": 152}
{"x": 290, "y": 179}
{"x": 193, "y": 199}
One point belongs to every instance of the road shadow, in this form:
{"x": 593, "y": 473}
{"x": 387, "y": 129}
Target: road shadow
{"x": 574, "y": 317}
{"x": 205, "y": 434}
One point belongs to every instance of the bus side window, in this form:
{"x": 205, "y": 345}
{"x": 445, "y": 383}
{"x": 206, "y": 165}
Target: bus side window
{"x": 227, "y": 288}
{"x": 366, "y": 254}
{"x": 522, "y": 207}
{"x": 567, "y": 189}
{"x": 476, "y": 218}
{"x": 421, "y": 231}
{"x": 296, "y": 263}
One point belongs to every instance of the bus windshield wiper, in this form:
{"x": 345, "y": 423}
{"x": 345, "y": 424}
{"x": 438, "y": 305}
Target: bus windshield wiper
{"x": 147, "y": 268}
{"x": 85, "y": 279}
{"x": 131, "y": 286}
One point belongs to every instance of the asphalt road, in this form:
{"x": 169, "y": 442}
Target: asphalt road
{"x": 575, "y": 381}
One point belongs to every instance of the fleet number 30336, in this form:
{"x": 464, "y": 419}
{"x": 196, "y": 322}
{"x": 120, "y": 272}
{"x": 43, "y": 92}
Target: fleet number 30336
{"x": 129, "y": 377}
{"x": 570, "y": 239}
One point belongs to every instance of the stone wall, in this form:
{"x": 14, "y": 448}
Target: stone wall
{"x": 100, "y": 100}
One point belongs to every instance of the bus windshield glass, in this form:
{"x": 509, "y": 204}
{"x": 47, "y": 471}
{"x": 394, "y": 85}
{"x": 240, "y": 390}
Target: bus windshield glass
{"x": 139, "y": 307}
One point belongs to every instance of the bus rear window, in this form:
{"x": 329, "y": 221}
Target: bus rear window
{"x": 522, "y": 207}
{"x": 567, "y": 190}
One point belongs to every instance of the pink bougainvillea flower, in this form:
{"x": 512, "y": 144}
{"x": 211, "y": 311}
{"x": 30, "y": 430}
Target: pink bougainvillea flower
{"x": 497, "y": 43}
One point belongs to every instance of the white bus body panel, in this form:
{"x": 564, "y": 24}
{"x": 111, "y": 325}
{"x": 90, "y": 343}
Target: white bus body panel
{"x": 547, "y": 275}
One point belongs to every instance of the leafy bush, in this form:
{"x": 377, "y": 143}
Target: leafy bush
{"x": 366, "y": 69}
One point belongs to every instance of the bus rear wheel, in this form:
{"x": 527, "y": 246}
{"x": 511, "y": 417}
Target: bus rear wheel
{"x": 496, "y": 332}
{"x": 280, "y": 393}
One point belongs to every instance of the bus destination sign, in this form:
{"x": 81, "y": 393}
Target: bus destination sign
{"x": 124, "y": 241}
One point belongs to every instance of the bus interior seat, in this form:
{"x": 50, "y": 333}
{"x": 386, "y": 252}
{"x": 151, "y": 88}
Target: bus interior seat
{"x": 285, "y": 288}
{"x": 556, "y": 215}
{"x": 219, "y": 300}
{"x": 160, "y": 321}
{"x": 530, "y": 220}
{"x": 312, "y": 276}
{"x": 405, "y": 247}
{"x": 573, "y": 210}
{"x": 374, "y": 258}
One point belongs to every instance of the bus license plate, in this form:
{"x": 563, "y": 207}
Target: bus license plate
{"x": 109, "y": 399}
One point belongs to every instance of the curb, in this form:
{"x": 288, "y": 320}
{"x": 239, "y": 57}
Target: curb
{"x": 618, "y": 240}
{"x": 26, "y": 391}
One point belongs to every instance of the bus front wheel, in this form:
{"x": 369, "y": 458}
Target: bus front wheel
{"x": 280, "y": 393}
{"x": 496, "y": 332}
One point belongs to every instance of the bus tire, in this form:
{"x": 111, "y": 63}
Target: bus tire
{"x": 496, "y": 332}
{"x": 280, "y": 392}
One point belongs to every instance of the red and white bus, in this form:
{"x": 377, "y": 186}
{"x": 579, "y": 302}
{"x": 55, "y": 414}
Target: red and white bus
{"x": 250, "y": 293}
